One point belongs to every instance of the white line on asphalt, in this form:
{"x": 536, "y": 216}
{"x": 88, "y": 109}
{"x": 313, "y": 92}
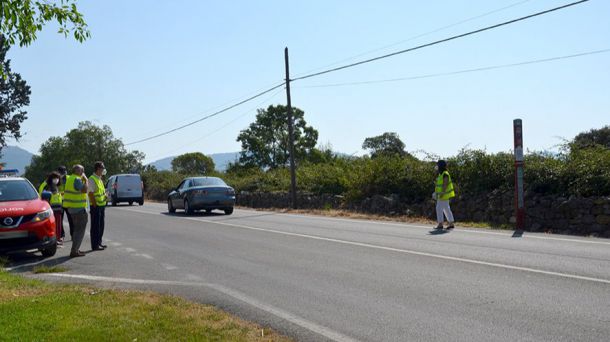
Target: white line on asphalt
{"x": 169, "y": 267}
{"x": 405, "y": 251}
{"x": 116, "y": 244}
{"x": 145, "y": 256}
{"x": 130, "y": 250}
{"x": 526, "y": 235}
{"x": 326, "y": 332}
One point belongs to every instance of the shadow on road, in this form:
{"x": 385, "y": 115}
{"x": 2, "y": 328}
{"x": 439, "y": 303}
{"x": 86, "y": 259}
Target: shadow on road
{"x": 438, "y": 232}
{"x": 25, "y": 262}
{"x": 215, "y": 214}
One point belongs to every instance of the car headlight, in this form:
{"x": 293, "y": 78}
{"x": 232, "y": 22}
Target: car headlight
{"x": 43, "y": 215}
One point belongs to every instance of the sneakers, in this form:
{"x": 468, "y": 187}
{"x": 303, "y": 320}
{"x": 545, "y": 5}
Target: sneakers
{"x": 451, "y": 226}
{"x": 440, "y": 226}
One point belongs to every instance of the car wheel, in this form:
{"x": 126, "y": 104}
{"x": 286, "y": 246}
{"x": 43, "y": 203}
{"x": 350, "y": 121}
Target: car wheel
{"x": 141, "y": 201}
{"x": 229, "y": 211}
{"x": 187, "y": 208}
{"x": 170, "y": 207}
{"x": 49, "y": 251}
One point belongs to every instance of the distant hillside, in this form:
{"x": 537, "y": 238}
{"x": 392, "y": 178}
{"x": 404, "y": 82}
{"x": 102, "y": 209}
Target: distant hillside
{"x": 221, "y": 160}
{"x": 16, "y": 158}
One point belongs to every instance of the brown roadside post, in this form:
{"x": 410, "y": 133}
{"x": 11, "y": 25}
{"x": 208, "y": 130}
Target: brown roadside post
{"x": 519, "y": 163}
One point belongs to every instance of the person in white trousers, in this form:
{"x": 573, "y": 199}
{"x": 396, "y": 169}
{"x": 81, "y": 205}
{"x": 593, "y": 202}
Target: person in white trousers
{"x": 443, "y": 193}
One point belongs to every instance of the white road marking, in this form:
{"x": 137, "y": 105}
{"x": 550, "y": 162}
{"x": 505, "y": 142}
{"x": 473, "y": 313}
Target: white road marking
{"x": 526, "y": 235}
{"x": 116, "y": 244}
{"x": 146, "y": 256}
{"x": 130, "y": 250}
{"x": 326, "y": 332}
{"x": 169, "y": 267}
{"x": 399, "y": 250}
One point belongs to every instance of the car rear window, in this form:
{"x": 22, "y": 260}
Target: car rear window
{"x": 209, "y": 181}
{"x": 17, "y": 190}
{"x": 133, "y": 182}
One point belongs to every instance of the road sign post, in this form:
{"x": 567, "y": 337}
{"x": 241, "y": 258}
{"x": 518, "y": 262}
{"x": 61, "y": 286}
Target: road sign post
{"x": 519, "y": 163}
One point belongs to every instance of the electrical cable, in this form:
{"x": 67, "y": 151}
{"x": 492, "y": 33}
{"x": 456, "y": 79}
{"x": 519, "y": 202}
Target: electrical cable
{"x": 408, "y": 78}
{"x": 440, "y": 41}
{"x": 419, "y": 36}
{"x": 207, "y": 116}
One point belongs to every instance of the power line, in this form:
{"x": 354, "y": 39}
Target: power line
{"x": 440, "y": 41}
{"x": 207, "y": 116}
{"x": 423, "y": 34}
{"x": 210, "y": 133}
{"x": 464, "y": 71}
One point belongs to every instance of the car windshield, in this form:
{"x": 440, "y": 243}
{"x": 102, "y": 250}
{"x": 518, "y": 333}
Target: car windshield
{"x": 208, "y": 181}
{"x": 17, "y": 190}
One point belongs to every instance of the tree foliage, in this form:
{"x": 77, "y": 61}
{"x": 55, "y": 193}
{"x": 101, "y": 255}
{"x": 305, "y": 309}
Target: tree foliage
{"x": 84, "y": 145}
{"x": 21, "y": 20}
{"x": 592, "y": 138}
{"x": 14, "y": 95}
{"x": 265, "y": 142}
{"x": 387, "y": 144}
{"x": 195, "y": 163}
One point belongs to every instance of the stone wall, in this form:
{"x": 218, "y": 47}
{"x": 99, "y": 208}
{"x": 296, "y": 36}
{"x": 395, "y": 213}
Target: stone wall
{"x": 544, "y": 213}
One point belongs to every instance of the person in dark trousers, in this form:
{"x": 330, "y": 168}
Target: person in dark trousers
{"x": 443, "y": 192}
{"x": 55, "y": 200}
{"x": 75, "y": 200}
{"x": 63, "y": 172}
{"x": 97, "y": 202}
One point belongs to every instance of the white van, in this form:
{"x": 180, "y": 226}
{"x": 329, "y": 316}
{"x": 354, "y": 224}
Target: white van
{"x": 125, "y": 188}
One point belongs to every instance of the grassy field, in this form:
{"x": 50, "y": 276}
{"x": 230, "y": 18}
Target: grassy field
{"x": 32, "y": 310}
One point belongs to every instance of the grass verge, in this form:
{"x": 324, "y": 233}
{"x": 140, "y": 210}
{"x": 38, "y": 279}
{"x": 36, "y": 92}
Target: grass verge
{"x": 34, "y": 310}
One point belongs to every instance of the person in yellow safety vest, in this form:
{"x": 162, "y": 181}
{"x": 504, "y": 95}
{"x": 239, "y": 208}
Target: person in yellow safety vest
{"x": 97, "y": 200}
{"x": 75, "y": 202}
{"x": 41, "y": 188}
{"x": 443, "y": 192}
{"x": 62, "y": 186}
{"x": 56, "y": 201}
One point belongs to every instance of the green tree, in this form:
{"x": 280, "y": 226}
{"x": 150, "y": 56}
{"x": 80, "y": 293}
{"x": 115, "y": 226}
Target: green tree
{"x": 594, "y": 137}
{"x": 14, "y": 95}
{"x": 388, "y": 144}
{"x": 265, "y": 142}
{"x": 21, "y": 20}
{"x": 195, "y": 163}
{"x": 84, "y": 145}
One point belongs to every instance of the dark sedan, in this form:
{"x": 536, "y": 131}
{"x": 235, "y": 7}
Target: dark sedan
{"x": 202, "y": 193}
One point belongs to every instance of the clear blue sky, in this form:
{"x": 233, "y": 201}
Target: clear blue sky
{"x": 153, "y": 65}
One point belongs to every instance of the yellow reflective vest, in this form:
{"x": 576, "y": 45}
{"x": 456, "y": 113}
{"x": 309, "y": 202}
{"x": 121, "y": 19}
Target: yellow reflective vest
{"x": 100, "y": 192}
{"x": 449, "y": 192}
{"x": 74, "y": 198}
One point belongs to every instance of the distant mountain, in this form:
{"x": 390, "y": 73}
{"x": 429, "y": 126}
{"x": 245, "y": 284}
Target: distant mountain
{"x": 15, "y": 157}
{"x": 221, "y": 161}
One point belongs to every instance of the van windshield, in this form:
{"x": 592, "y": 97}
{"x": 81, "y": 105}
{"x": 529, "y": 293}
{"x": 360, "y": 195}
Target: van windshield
{"x": 17, "y": 190}
{"x": 208, "y": 181}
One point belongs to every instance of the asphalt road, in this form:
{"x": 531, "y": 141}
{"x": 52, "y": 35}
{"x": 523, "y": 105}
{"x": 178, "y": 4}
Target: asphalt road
{"x": 316, "y": 278}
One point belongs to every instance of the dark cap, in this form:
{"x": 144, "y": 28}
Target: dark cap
{"x": 62, "y": 170}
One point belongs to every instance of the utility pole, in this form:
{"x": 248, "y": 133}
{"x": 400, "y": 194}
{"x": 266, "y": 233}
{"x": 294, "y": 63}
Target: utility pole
{"x": 293, "y": 178}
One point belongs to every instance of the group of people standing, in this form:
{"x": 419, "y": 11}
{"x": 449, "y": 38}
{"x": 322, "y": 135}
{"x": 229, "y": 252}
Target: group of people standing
{"x": 74, "y": 195}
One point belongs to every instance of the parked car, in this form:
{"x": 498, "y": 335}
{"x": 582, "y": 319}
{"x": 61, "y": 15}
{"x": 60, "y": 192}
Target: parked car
{"x": 202, "y": 193}
{"x": 125, "y": 188}
{"x": 26, "y": 221}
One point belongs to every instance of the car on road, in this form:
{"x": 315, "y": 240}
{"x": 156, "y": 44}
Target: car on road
{"x": 126, "y": 188}
{"x": 26, "y": 221}
{"x": 202, "y": 193}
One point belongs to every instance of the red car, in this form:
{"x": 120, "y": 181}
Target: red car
{"x": 26, "y": 222}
